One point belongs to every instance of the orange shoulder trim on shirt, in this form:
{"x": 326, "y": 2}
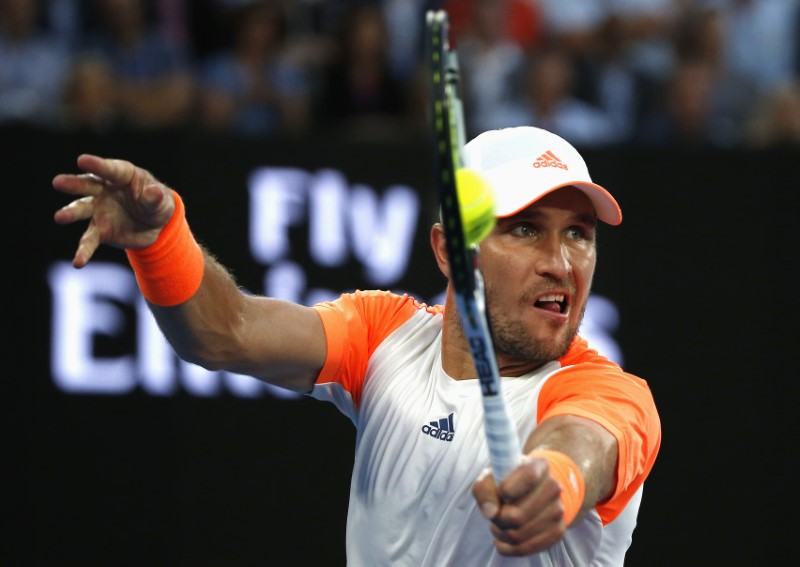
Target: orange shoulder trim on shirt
{"x": 355, "y": 324}
{"x": 622, "y": 403}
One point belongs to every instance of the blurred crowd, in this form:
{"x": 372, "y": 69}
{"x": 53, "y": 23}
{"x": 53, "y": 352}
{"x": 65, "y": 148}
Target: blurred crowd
{"x": 718, "y": 73}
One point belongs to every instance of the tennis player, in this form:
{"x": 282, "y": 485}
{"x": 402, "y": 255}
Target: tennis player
{"x": 403, "y": 373}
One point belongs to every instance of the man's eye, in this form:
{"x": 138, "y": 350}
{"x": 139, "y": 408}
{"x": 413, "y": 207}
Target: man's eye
{"x": 579, "y": 233}
{"x": 576, "y": 233}
{"x": 522, "y": 229}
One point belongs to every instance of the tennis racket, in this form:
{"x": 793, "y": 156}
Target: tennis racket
{"x": 448, "y": 123}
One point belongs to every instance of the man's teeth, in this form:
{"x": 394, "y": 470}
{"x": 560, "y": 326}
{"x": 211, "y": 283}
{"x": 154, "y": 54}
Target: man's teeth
{"x": 553, "y": 297}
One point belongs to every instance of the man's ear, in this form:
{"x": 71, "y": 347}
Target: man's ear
{"x": 440, "y": 249}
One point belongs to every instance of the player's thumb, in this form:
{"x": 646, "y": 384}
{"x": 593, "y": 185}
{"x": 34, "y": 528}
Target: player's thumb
{"x": 156, "y": 204}
{"x": 485, "y": 492}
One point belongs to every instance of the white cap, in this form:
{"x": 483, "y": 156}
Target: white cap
{"x": 525, "y": 163}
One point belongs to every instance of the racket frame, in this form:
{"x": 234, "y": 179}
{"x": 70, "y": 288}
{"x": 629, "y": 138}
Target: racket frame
{"x": 465, "y": 274}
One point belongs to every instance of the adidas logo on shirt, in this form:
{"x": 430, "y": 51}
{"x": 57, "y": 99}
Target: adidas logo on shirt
{"x": 549, "y": 159}
{"x": 441, "y": 429}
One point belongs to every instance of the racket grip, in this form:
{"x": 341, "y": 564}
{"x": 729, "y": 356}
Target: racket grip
{"x": 505, "y": 453}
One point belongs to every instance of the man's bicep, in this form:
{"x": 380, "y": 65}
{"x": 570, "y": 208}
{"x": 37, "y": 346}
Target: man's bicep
{"x": 283, "y": 343}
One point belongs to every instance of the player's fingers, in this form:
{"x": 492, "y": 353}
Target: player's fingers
{"x": 84, "y": 184}
{"x": 485, "y": 492}
{"x": 520, "y": 530}
{"x": 87, "y": 246}
{"x": 517, "y": 522}
{"x": 116, "y": 171}
{"x": 78, "y": 210}
{"x": 531, "y": 498}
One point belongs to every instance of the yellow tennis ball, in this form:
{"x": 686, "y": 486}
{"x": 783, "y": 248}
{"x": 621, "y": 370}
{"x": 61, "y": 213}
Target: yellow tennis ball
{"x": 476, "y": 203}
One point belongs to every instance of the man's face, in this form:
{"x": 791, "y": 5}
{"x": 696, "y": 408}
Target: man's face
{"x": 538, "y": 267}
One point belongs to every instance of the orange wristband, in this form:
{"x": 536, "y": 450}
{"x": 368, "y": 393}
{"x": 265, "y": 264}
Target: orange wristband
{"x": 566, "y": 473}
{"x": 170, "y": 270}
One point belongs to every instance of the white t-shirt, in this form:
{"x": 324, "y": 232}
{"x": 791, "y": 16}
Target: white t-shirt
{"x": 420, "y": 443}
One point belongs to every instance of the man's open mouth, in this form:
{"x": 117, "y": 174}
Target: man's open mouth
{"x": 555, "y": 302}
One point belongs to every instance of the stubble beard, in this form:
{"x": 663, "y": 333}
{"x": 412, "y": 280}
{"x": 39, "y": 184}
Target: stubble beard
{"x": 514, "y": 341}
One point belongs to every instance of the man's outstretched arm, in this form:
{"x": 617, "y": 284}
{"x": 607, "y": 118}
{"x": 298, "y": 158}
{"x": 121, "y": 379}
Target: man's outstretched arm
{"x": 207, "y": 319}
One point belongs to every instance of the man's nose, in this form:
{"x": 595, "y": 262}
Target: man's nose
{"x": 552, "y": 258}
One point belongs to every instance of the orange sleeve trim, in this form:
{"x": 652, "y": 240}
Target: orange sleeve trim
{"x": 170, "y": 270}
{"x": 355, "y": 325}
{"x": 336, "y": 336}
{"x": 623, "y": 405}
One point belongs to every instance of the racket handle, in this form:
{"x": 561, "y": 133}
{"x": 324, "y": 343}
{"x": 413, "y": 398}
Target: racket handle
{"x": 501, "y": 437}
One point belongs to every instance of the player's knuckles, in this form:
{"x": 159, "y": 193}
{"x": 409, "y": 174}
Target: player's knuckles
{"x": 521, "y": 482}
{"x": 532, "y": 471}
{"x": 509, "y": 536}
{"x": 511, "y": 517}
{"x": 551, "y": 493}
{"x": 515, "y": 492}
{"x": 122, "y": 170}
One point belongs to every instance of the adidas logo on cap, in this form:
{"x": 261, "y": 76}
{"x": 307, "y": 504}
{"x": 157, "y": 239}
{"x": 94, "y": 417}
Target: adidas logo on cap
{"x": 441, "y": 429}
{"x": 549, "y": 159}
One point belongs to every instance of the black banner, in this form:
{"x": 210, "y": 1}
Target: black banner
{"x": 121, "y": 454}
